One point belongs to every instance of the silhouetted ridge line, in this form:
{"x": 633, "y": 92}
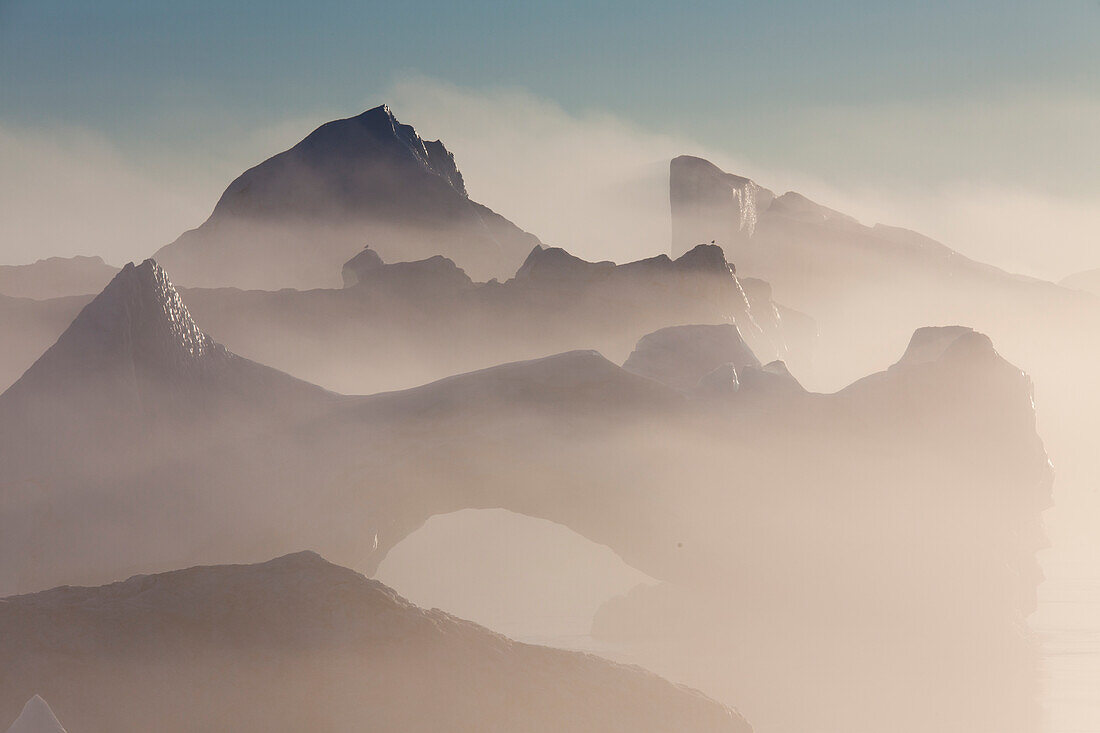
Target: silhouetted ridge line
{"x": 292, "y": 220}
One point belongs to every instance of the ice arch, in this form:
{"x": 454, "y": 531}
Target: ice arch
{"x": 525, "y": 577}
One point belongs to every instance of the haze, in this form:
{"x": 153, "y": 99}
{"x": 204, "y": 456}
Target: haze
{"x": 496, "y": 367}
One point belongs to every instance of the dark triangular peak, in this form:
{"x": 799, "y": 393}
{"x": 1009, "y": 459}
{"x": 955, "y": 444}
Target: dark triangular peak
{"x": 134, "y": 367}
{"x": 300, "y": 644}
{"x": 295, "y": 218}
{"x": 339, "y": 165}
{"x": 137, "y": 325}
{"x": 381, "y": 123}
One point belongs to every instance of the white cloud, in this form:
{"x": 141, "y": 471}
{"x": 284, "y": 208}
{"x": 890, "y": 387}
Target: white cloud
{"x": 598, "y": 185}
{"x": 591, "y": 183}
{"x": 588, "y": 181}
{"x": 1008, "y": 177}
{"x": 66, "y": 191}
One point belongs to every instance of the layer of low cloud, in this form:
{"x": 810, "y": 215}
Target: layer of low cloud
{"x": 1008, "y": 176}
{"x": 588, "y": 181}
{"x": 67, "y": 191}
{"x": 591, "y": 183}
{"x": 598, "y": 184}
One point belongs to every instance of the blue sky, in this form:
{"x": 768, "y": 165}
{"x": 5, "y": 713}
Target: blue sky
{"x": 689, "y": 67}
{"x": 850, "y": 94}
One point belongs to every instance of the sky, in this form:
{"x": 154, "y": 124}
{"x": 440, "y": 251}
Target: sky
{"x": 973, "y": 122}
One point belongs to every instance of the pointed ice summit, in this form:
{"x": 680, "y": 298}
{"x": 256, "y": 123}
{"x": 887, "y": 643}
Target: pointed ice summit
{"x": 133, "y": 368}
{"x": 294, "y": 219}
{"x": 37, "y": 717}
{"x": 137, "y": 341}
{"x": 138, "y": 318}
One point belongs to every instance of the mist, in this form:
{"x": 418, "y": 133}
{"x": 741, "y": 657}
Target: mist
{"x": 597, "y": 184}
{"x": 587, "y": 180}
{"x": 737, "y": 395}
{"x": 528, "y": 578}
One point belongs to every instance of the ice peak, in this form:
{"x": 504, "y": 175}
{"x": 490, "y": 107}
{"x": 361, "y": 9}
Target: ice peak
{"x": 141, "y": 306}
{"x": 138, "y": 324}
{"x": 380, "y": 116}
{"x": 381, "y": 123}
{"x": 37, "y": 717}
